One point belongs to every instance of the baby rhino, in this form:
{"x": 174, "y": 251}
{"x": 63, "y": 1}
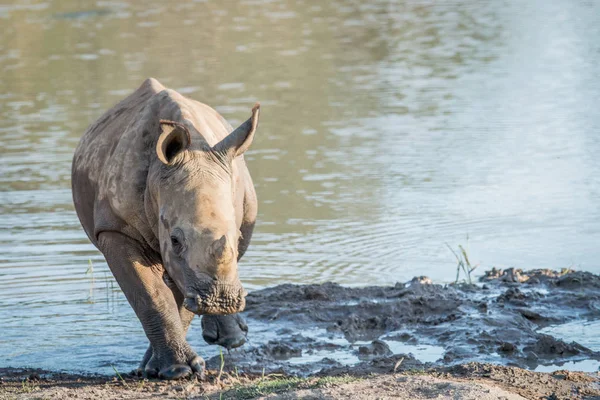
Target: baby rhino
{"x": 161, "y": 188}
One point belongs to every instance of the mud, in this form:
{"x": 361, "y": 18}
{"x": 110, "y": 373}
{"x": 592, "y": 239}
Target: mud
{"x": 330, "y": 329}
{"x": 387, "y": 337}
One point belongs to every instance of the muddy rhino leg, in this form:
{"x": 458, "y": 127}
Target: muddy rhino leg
{"x": 140, "y": 277}
{"x": 185, "y": 316}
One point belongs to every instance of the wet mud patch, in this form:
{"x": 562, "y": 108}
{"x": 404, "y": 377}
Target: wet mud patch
{"x": 330, "y": 329}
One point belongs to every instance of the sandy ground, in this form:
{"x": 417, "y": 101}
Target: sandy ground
{"x": 403, "y": 387}
{"x": 466, "y": 381}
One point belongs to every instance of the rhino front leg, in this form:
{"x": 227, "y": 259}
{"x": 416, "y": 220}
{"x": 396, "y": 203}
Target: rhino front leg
{"x": 185, "y": 315}
{"x": 139, "y": 275}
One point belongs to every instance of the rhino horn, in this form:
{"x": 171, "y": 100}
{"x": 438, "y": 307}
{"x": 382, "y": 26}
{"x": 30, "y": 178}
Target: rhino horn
{"x": 238, "y": 141}
{"x": 221, "y": 250}
{"x": 174, "y": 139}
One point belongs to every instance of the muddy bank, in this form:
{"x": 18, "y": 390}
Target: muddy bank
{"x": 329, "y": 329}
{"x": 326, "y": 341}
{"x": 472, "y": 381}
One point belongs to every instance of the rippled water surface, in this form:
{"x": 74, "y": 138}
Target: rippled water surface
{"x": 388, "y": 128}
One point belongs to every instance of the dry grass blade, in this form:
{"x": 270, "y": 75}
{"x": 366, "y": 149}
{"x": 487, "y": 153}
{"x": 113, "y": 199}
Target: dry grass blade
{"x": 457, "y": 260}
{"x": 463, "y": 262}
{"x": 90, "y": 272}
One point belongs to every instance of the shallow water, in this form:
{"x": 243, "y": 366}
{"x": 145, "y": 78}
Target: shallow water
{"x": 585, "y": 333}
{"x": 387, "y": 130}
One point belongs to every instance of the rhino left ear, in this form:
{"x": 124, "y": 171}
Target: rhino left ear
{"x": 174, "y": 139}
{"x": 238, "y": 141}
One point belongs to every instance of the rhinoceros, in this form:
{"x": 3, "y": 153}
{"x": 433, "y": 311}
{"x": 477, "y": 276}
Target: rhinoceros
{"x": 161, "y": 188}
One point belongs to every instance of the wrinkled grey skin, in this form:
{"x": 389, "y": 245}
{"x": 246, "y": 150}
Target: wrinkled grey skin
{"x": 161, "y": 188}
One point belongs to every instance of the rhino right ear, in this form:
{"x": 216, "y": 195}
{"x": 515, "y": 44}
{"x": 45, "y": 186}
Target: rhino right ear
{"x": 238, "y": 141}
{"x": 174, "y": 139}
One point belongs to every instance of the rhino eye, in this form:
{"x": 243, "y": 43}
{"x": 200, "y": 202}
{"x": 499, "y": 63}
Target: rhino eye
{"x": 177, "y": 243}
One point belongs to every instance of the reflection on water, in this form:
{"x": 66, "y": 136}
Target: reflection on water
{"x": 388, "y": 128}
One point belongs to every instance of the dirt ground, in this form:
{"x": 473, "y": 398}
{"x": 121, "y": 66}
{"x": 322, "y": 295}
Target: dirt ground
{"x": 466, "y": 381}
{"x": 303, "y": 336}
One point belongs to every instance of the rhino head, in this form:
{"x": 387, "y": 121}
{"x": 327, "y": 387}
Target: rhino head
{"x": 197, "y": 227}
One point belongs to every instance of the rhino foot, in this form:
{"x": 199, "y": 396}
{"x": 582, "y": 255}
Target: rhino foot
{"x": 228, "y": 331}
{"x": 171, "y": 366}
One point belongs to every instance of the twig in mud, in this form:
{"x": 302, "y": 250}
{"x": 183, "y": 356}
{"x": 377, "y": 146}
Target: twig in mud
{"x": 398, "y": 363}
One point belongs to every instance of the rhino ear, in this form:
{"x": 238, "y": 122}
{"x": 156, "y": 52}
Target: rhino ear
{"x": 174, "y": 139}
{"x": 238, "y": 141}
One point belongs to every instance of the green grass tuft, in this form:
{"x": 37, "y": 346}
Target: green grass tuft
{"x": 277, "y": 384}
{"x": 119, "y": 375}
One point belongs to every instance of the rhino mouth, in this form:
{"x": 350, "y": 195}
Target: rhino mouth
{"x": 229, "y": 331}
{"x": 218, "y": 298}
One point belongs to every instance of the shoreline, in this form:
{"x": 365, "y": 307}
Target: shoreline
{"x": 328, "y": 341}
{"x": 464, "y": 381}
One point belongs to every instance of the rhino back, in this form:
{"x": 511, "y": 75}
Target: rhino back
{"x": 113, "y": 159}
{"x": 96, "y": 146}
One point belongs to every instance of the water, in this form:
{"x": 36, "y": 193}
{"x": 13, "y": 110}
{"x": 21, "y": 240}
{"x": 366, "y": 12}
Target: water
{"x": 387, "y": 129}
{"x": 586, "y": 334}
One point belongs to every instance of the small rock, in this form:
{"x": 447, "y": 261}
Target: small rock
{"x": 178, "y": 388}
{"x": 282, "y": 351}
{"x": 507, "y": 347}
{"x": 189, "y": 387}
{"x": 312, "y": 293}
{"x": 376, "y": 348}
{"x": 532, "y": 357}
{"x": 514, "y": 275}
{"x": 421, "y": 280}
